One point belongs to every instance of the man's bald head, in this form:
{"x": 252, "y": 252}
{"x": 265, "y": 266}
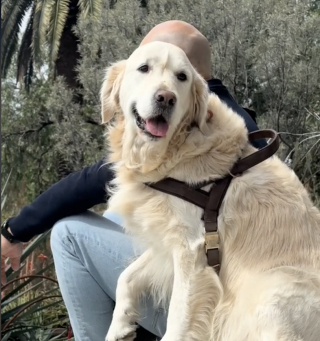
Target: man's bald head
{"x": 189, "y": 39}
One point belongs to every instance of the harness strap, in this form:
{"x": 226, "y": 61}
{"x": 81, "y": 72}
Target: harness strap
{"x": 181, "y": 190}
{"x": 211, "y": 201}
{"x": 260, "y": 155}
{"x": 210, "y": 217}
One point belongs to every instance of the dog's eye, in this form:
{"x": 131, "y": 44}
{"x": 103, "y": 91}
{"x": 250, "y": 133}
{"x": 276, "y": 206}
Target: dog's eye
{"x": 144, "y": 68}
{"x": 182, "y": 76}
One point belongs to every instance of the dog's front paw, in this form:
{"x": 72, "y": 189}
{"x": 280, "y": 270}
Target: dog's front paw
{"x": 121, "y": 332}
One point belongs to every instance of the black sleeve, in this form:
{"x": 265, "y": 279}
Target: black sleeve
{"x": 216, "y": 86}
{"x": 74, "y": 194}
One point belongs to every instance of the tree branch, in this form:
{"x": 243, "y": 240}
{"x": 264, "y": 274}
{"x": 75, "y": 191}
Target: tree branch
{"x": 90, "y": 121}
{"x": 28, "y": 131}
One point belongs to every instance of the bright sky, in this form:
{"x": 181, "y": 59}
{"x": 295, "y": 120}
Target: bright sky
{"x": 25, "y": 21}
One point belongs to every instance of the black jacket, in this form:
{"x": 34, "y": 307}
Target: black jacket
{"x": 82, "y": 190}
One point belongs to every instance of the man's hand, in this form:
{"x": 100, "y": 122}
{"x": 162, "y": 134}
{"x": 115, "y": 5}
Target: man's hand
{"x": 11, "y": 251}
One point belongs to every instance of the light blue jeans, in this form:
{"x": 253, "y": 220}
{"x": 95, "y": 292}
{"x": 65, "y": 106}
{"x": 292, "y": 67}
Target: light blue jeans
{"x": 90, "y": 252}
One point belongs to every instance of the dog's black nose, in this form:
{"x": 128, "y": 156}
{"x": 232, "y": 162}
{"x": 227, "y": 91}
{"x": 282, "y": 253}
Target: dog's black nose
{"x": 165, "y": 98}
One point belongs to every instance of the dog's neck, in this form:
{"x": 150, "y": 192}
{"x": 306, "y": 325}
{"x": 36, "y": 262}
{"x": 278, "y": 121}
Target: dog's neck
{"x": 215, "y": 154}
{"x": 211, "y": 157}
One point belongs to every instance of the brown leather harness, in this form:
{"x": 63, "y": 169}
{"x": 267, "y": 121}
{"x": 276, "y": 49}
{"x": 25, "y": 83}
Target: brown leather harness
{"x": 211, "y": 201}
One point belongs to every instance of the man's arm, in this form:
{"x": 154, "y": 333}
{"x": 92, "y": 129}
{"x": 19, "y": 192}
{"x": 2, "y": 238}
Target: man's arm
{"x": 74, "y": 194}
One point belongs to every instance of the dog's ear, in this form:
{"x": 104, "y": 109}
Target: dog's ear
{"x": 200, "y": 104}
{"x": 110, "y": 103}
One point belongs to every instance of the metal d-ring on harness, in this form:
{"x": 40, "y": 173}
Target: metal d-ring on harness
{"x": 211, "y": 201}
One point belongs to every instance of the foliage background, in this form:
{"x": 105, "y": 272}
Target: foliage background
{"x": 266, "y": 52}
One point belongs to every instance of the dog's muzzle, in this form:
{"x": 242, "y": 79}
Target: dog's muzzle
{"x": 156, "y": 126}
{"x": 165, "y": 100}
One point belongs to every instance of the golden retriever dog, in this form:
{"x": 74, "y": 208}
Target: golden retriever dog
{"x": 163, "y": 124}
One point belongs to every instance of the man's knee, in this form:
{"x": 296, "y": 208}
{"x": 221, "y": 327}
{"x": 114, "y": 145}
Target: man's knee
{"x": 82, "y": 227}
{"x": 61, "y": 232}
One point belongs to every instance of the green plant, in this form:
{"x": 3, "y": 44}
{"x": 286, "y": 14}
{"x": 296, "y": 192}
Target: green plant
{"x": 30, "y": 310}
{"x": 3, "y": 195}
{"x": 31, "y": 306}
{"x": 48, "y": 26}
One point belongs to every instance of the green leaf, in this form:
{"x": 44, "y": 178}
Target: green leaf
{"x": 6, "y": 5}
{"x": 36, "y": 309}
{"x": 18, "y": 310}
{"x": 3, "y": 201}
{"x": 29, "y": 249}
{"x": 40, "y": 27}
{"x": 8, "y": 314}
{"x": 90, "y": 7}
{"x": 7, "y": 53}
{"x": 22, "y": 285}
{"x": 58, "y": 17}
{"x": 4, "y": 198}
{"x": 24, "y": 327}
{"x": 6, "y": 337}
{"x": 21, "y": 332}
{"x": 8, "y": 50}
{"x": 6, "y": 183}
{"x": 55, "y": 337}
{"x": 25, "y": 53}
{"x": 14, "y": 274}
{"x": 12, "y": 18}
{"x": 11, "y": 299}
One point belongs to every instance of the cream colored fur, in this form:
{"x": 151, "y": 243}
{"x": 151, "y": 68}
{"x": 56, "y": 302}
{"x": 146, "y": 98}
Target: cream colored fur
{"x": 269, "y": 284}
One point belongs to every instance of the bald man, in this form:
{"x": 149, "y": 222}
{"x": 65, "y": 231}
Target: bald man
{"x": 195, "y": 45}
{"x": 90, "y": 251}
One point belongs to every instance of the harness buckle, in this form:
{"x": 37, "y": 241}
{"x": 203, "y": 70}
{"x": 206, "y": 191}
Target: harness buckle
{"x": 212, "y": 240}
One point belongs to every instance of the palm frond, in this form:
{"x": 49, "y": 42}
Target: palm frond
{"x": 57, "y": 22}
{"x": 8, "y": 52}
{"x": 11, "y": 17}
{"x": 90, "y": 7}
{"x": 24, "y": 61}
{"x": 10, "y": 28}
{"x": 5, "y": 7}
{"x": 40, "y": 26}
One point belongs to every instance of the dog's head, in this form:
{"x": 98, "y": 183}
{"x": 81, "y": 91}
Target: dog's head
{"x": 157, "y": 91}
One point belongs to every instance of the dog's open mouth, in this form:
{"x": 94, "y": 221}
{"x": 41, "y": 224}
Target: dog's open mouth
{"x": 156, "y": 126}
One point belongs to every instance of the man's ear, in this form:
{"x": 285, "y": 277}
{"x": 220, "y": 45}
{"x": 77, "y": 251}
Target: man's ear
{"x": 200, "y": 95}
{"x": 109, "y": 95}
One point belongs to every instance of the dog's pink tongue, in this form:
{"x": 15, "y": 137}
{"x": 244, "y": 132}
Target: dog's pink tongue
{"x": 157, "y": 128}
